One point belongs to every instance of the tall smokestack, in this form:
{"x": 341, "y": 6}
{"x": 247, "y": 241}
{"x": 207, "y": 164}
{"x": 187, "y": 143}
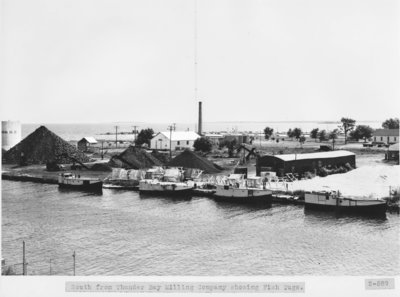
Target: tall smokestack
{"x": 200, "y": 120}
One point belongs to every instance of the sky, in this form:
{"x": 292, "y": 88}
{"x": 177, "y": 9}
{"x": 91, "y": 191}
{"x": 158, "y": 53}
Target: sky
{"x": 86, "y": 61}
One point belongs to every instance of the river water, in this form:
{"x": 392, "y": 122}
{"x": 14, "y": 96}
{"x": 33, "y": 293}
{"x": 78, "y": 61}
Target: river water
{"x": 121, "y": 233}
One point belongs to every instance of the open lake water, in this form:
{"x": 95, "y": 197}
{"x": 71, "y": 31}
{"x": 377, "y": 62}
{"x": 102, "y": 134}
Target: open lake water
{"x": 122, "y": 233}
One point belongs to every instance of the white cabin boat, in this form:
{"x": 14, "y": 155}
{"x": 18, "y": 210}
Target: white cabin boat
{"x": 73, "y": 181}
{"x": 238, "y": 189}
{"x": 332, "y": 200}
{"x": 169, "y": 183}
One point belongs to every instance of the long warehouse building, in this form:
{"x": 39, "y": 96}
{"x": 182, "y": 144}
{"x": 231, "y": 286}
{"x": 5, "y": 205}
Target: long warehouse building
{"x": 300, "y": 163}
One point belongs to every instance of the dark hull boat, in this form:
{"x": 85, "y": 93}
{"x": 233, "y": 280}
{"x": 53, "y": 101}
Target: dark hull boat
{"x": 331, "y": 201}
{"x": 70, "y": 181}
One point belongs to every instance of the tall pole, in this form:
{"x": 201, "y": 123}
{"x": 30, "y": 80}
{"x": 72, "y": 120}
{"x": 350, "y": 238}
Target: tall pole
{"x": 73, "y": 256}
{"x": 23, "y": 259}
{"x": 170, "y": 141}
{"x": 50, "y": 267}
{"x": 116, "y": 136}
{"x": 134, "y": 133}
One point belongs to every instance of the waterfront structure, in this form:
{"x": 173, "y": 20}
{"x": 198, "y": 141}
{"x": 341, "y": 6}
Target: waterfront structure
{"x": 392, "y": 153}
{"x": 85, "y": 143}
{"x": 300, "y": 163}
{"x": 10, "y": 134}
{"x": 388, "y": 136}
{"x": 178, "y": 140}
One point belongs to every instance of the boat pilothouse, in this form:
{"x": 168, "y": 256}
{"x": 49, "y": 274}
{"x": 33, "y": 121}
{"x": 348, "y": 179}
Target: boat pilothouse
{"x": 333, "y": 200}
{"x": 73, "y": 181}
{"x": 238, "y": 189}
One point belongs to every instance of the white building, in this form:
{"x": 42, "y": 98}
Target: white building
{"x": 10, "y": 134}
{"x": 179, "y": 140}
{"x": 388, "y": 136}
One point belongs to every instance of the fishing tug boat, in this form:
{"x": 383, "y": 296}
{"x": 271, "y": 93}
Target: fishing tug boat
{"x": 169, "y": 183}
{"x": 73, "y": 181}
{"x": 332, "y": 200}
{"x": 240, "y": 190}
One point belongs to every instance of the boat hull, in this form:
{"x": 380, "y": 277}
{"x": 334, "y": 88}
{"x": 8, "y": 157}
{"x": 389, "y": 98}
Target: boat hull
{"x": 378, "y": 209}
{"x": 326, "y": 201}
{"x": 165, "y": 189}
{"x": 245, "y": 195}
{"x": 92, "y": 187}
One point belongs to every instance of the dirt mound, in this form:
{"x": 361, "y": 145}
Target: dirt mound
{"x": 189, "y": 159}
{"x": 134, "y": 158}
{"x": 42, "y": 146}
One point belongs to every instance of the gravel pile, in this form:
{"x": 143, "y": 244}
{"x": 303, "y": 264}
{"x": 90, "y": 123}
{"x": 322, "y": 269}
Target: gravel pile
{"x": 42, "y": 146}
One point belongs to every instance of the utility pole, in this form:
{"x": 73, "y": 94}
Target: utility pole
{"x": 23, "y": 259}
{"x": 116, "y": 136}
{"x": 170, "y": 140}
{"x": 73, "y": 256}
{"x": 50, "y": 267}
{"x": 102, "y": 150}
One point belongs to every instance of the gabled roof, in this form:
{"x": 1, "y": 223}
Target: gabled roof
{"x": 318, "y": 155}
{"x": 386, "y": 132}
{"x": 181, "y": 135}
{"x": 88, "y": 139}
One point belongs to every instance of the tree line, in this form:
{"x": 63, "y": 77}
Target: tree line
{"x": 348, "y": 127}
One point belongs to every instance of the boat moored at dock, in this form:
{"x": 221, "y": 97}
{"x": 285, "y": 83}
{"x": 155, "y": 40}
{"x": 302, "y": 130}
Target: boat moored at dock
{"x": 73, "y": 181}
{"x": 332, "y": 200}
{"x": 239, "y": 190}
{"x": 170, "y": 183}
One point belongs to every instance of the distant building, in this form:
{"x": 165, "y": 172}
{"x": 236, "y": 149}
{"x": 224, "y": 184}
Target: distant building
{"x": 300, "y": 163}
{"x": 10, "y": 134}
{"x": 214, "y": 138}
{"x": 85, "y": 143}
{"x": 240, "y": 138}
{"x": 392, "y": 153}
{"x": 388, "y": 136}
{"x": 179, "y": 140}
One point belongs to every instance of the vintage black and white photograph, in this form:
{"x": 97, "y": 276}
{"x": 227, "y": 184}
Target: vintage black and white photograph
{"x": 200, "y": 138}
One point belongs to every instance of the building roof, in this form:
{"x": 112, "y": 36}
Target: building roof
{"x": 394, "y": 147}
{"x": 318, "y": 155}
{"x": 386, "y": 132}
{"x": 181, "y": 135}
{"x": 89, "y": 139}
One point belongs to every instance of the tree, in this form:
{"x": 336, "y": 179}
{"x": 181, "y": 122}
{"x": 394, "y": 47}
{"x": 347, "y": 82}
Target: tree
{"x": 297, "y": 133}
{"x": 391, "y": 123}
{"x": 333, "y": 135}
{"x": 322, "y": 135}
{"x": 362, "y": 132}
{"x": 314, "y": 133}
{"x": 202, "y": 144}
{"x": 268, "y": 132}
{"x": 347, "y": 126}
{"x": 144, "y": 136}
{"x": 302, "y": 139}
{"x": 290, "y": 133}
{"x": 230, "y": 144}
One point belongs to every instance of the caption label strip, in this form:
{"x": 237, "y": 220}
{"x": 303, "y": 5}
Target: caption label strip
{"x": 379, "y": 284}
{"x": 186, "y": 287}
